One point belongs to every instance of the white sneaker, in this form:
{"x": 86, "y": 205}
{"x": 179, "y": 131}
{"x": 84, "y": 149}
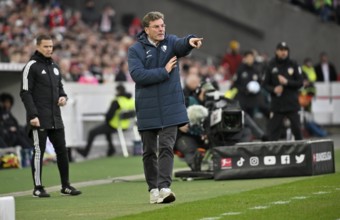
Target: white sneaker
{"x": 166, "y": 196}
{"x": 154, "y": 195}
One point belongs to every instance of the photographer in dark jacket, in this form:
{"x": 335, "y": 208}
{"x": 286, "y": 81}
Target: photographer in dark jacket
{"x": 42, "y": 94}
{"x": 283, "y": 79}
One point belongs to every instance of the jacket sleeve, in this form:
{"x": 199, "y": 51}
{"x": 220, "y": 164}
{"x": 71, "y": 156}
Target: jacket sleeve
{"x": 61, "y": 87}
{"x": 333, "y": 73}
{"x": 27, "y": 85}
{"x": 111, "y": 112}
{"x": 182, "y": 46}
{"x": 266, "y": 83}
{"x": 140, "y": 74}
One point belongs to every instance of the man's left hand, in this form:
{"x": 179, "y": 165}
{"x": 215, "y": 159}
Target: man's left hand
{"x": 196, "y": 42}
{"x": 62, "y": 101}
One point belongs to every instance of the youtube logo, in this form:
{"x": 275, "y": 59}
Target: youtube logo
{"x": 269, "y": 160}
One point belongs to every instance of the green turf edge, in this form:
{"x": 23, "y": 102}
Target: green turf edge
{"x": 14, "y": 180}
{"x": 113, "y": 205}
{"x": 325, "y": 205}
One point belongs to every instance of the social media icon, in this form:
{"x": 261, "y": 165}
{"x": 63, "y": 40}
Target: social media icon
{"x": 254, "y": 161}
{"x": 299, "y": 159}
{"x": 285, "y": 159}
{"x": 240, "y": 162}
{"x": 269, "y": 160}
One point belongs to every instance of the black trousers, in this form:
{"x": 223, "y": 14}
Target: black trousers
{"x": 57, "y": 138}
{"x": 99, "y": 130}
{"x": 275, "y": 125}
{"x": 158, "y": 156}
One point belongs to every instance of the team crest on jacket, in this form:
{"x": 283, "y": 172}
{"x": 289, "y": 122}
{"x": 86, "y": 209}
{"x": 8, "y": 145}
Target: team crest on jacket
{"x": 164, "y": 47}
{"x": 56, "y": 71}
{"x": 244, "y": 74}
{"x": 290, "y": 70}
{"x": 275, "y": 70}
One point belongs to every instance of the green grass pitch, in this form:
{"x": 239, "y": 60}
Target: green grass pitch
{"x": 315, "y": 197}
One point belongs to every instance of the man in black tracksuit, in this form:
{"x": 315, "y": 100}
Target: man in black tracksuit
{"x": 283, "y": 79}
{"x": 42, "y": 94}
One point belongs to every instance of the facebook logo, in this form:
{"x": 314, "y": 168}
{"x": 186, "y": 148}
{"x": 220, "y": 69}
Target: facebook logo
{"x": 285, "y": 159}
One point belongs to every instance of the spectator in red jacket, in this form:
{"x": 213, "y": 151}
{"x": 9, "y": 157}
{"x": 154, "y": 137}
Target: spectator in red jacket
{"x": 232, "y": 59}
{"x": 56, "y": 20}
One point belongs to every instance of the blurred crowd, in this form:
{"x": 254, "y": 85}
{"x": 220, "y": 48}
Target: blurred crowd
{"x": 327, "y": 10}
{"x": 88, "y": 45}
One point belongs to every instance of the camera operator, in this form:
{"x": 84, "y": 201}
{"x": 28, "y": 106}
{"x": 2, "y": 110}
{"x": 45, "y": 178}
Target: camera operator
{"x": 191, "y": 140}
{"x": 194, "y": 139}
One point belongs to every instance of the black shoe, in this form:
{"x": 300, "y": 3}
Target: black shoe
{"x": 82, "y": 152}
{"x": 111, "y": 152}
{"x": 70, "y": 190}
{"x": 40, "y": 192}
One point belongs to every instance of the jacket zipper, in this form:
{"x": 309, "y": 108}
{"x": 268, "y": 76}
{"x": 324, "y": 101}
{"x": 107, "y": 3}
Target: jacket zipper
{"x": 158, "y": 95}
{"x": 52, "y": 106}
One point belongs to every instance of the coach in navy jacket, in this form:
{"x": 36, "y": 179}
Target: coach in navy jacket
{"x": 159, "y": 99}
{"x": 159, "y": 95}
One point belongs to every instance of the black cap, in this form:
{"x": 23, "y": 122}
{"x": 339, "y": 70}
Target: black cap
{"x": 282, "y": 45}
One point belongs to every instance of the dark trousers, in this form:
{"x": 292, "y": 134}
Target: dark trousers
{"x": 100, "y": 129}
{"x": 158, "y": 156}
{"x": 57, "y": 138}
{"x": 275, "y": 125}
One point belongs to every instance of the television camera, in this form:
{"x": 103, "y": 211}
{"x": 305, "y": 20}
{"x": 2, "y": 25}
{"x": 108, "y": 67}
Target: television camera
{"x": 223, "y": 125}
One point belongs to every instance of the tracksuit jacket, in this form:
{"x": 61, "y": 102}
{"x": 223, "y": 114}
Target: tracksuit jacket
{"x": 159, "y": 96}
{"x": 288, "y": 100}
{"x": 41, "y": 88}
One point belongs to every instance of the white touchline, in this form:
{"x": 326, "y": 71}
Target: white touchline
{"x": 300, "y": 197}
{"x": 211, "y": 218}
{"x": 281, "y": 202}
{"x": 266, "y": 207}
{"x": 320, "y": 193}
{"x": 232, "y": 213}
{"x": 259, "y": 207}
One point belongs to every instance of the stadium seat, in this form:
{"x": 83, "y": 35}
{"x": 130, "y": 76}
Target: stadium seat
{"x": 127, "y": 115}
